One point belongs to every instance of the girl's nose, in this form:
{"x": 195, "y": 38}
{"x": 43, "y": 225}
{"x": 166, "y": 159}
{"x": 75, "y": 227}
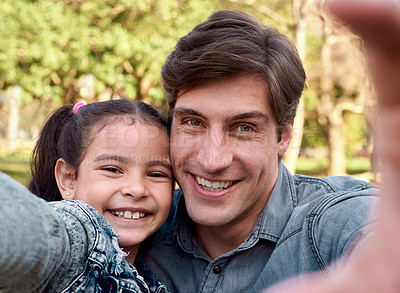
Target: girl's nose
{"x": 134, "y": 187}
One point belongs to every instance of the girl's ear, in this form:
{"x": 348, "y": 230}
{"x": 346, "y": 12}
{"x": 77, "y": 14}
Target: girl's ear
{"x": 65, "y": 177}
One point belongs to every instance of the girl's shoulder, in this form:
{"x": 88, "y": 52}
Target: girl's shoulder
{"x": 95, "y": 256}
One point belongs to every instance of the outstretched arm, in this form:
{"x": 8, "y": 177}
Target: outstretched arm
{"x": 376, "y": 266}
{"x": 32, "y": 240}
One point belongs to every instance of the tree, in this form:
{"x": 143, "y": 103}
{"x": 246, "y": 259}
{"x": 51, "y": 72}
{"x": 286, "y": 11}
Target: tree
{"x": 47, "y": 46}
{"x": 301, "y": 12}
{"x": 60, "y": 51}
{"x": 342, "y": 87}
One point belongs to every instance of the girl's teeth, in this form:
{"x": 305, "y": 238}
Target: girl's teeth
{"x": 135, "y": 215}
{"x": 129, "y": 214}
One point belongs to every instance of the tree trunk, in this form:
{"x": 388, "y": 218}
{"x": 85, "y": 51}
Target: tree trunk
{"x": 14, "y": 97}
{"x": 332, "y": 111}
{"x": 292, "y": 154}
{"x": 337, "y": 156}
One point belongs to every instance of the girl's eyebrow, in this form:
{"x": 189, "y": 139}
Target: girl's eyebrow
{"x": 109, "y": 157}
{"x": 122, "y": 159}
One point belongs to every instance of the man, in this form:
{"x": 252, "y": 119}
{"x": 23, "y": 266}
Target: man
{"x": 242, "y": 222}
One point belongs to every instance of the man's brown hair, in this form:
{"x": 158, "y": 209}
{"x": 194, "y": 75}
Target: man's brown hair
{"x": 231, "y": 43}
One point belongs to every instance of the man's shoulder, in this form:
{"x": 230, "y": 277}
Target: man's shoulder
{"x": 332, "y": 198}
{"x": 309, "y": 188}
{"x": 325, "y": 203}
{"x": 329, "y": 216}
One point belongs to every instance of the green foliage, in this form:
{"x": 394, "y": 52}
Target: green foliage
{"x": 310, "y": 99}
{"x": 312, "y": 134}
{"x": 354, "y": 132}
{"x": 37, "y": 40}
{"x": 46, "y": 46}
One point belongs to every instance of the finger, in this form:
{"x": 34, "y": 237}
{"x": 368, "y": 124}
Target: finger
{"x": 376, "y": 21}
{"x": 311, "y": 283}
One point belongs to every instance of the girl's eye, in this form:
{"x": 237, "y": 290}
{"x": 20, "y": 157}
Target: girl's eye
{"x": 157, "y": 174}
{"x": 112, "y": 170}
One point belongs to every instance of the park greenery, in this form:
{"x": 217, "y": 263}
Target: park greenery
{"x": 55, "y": 52}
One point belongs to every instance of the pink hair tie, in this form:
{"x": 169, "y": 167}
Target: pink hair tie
{"x": 77, "y": 106}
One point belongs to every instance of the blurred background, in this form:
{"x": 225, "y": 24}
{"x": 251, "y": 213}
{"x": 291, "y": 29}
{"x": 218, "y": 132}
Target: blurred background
{"x": 55, "y": 52}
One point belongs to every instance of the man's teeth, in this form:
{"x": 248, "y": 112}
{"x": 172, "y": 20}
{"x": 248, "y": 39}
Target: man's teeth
{"x": 128, "y": 214}
{"x": 213, "y": 185}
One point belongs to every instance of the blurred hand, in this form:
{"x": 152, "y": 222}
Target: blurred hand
{"x": 377, "y": 22}
{"x": 375, "y": 268}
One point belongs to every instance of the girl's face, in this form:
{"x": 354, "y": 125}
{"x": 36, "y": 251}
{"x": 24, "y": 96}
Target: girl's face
{"x": 126, "y": 175}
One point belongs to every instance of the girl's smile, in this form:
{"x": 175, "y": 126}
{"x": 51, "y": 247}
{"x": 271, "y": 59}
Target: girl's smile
{"x": 126, "y": 175}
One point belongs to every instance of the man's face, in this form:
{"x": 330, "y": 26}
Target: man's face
{"x": 224, "y": 151}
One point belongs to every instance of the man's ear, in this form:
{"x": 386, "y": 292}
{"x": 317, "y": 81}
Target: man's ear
{"x": 65, "y": 177}
{"x": 286, "y": 137}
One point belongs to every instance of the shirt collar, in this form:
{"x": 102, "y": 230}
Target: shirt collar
{"x": 279, "y": 207}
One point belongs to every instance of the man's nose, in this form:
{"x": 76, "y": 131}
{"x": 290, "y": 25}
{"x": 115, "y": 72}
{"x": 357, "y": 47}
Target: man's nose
{"x": 215, "y": 152}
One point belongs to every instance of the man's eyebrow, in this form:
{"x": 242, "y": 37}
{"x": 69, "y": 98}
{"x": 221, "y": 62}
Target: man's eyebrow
{"x": 248, "y": 115}
{"x": 252, "y": 114}
{"x": 181, "y": 111}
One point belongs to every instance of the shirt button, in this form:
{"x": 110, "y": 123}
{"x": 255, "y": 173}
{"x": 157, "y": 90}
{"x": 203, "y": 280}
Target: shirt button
{"x": 217, "y": 269}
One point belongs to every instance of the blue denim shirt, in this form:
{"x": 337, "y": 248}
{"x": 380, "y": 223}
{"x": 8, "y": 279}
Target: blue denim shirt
{"x": 64, "y": 246}
{"x": 306, "y": 225}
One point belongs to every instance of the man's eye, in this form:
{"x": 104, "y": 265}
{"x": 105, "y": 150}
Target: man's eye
{"x": 244, "y": 128}
{"x": 193, "y": 122}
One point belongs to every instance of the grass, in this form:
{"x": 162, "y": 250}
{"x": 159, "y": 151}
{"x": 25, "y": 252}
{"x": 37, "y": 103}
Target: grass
{"x": 319, "y": 167}
{"x": 16, "y": 165}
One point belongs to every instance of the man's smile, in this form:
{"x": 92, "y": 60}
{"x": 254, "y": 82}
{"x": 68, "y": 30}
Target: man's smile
{"x": 213, "y": 185}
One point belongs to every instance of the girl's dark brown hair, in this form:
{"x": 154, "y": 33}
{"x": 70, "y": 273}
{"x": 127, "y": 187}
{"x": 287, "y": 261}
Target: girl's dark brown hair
{"x": 66, "y": 135}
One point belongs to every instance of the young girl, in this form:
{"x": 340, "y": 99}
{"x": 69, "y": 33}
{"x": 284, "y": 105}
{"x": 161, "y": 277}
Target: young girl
{"x": 112, "y": 159}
